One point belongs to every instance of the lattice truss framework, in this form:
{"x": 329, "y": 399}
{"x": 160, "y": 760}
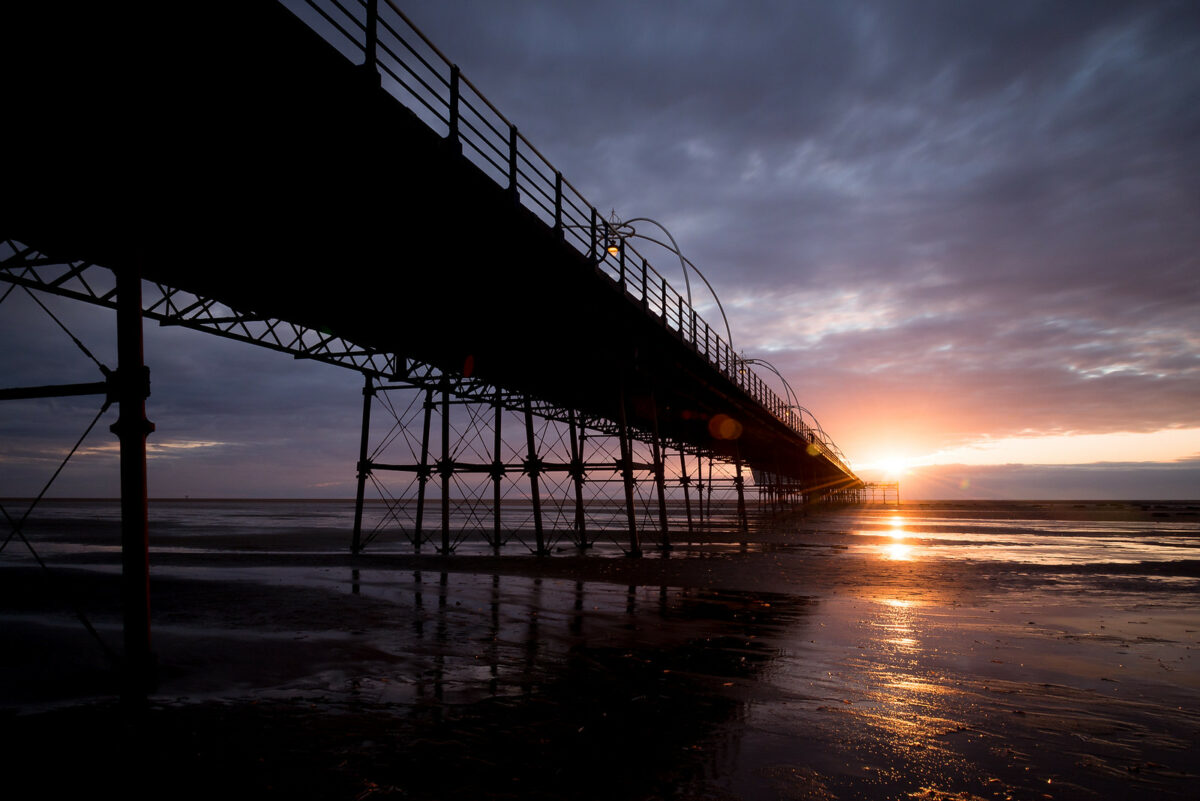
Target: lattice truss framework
{"x": 91, "y": 283}
{"x": 461, "y": 459}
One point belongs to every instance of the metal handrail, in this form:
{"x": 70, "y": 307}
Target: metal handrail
{"x": 495, "y": 145}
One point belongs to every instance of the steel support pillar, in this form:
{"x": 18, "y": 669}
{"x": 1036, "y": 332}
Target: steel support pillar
{"x": 660, "y": 478}
{"x": 423, "y": 472}
{"x": 497, "y": 471}
{"x": 446, "y": 468}
{"x": 577, "y": 474}
{"x": 132, "y": 428}
{"x": 740, "y": 482}
{"x": 635, "y": 545}
{"x": 708, "y": 497}
{"x": 533, "y": 467}
{"x": 685, "y": 480}
{"x": 364, "y": 467}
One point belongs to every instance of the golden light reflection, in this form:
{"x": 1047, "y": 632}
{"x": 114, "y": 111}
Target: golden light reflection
{"x": 913, "y": 686}
{"x": 909, "y": 709}
{"x": 913, "y": 711}
{"x": 898, "y": 623}
{"x": 899, "y": 550}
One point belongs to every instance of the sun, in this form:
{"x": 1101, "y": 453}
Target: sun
{"x": 893, "y": 467}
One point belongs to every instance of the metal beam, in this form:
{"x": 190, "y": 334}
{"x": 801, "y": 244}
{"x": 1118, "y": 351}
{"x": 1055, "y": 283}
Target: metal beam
{"x": 131, "y": 428}
{"x": 635, "y": 544}
{"x": 56, "y": 391}
{"x": 364, "y": 466}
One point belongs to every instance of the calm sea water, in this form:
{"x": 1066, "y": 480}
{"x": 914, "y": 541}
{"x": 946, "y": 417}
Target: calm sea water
{"x": 913, "y": 534}
{"x": 1061, "y": 534}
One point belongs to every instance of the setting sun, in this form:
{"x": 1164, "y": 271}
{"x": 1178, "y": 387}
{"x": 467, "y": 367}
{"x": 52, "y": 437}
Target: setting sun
{"x": 890, "y": 467}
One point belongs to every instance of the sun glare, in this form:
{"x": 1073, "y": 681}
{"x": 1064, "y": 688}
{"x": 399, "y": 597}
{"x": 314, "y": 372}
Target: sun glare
{"x": 892, "y": 467}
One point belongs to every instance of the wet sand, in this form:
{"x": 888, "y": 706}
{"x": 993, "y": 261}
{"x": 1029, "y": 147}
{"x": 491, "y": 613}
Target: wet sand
{"x": 815, "y": 662}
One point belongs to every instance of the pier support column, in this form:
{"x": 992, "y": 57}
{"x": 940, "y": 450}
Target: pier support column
{"x": 364, "y": 466}
{"x": 660, "y": 480}
{"x": 446, "y": 468}
{"x": 497, "y": 470}
{"x": 423, "y": 473}
{"x": 635, "y": 544}
{"x": 685, "y": 480}
{"x": 577, "y": 475}
{"x": 740, "y": 482}
{"x": 533, "y": 466}
{"x": 132, "y": 428}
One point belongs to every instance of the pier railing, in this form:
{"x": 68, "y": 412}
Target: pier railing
{"x": 419, "y": 75}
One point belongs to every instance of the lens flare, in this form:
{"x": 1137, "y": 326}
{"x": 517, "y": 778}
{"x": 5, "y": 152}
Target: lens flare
{"x": 722, "y": 426}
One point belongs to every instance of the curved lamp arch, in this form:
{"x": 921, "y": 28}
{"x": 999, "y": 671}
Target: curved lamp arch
{"x": 624, "y": 229}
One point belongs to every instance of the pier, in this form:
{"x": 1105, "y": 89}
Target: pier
{"x": 318, "y": 179}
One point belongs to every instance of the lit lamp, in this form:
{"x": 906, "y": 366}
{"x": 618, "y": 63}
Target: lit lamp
{"x": 613, "y": 234}
{"x": 617, "y": 231}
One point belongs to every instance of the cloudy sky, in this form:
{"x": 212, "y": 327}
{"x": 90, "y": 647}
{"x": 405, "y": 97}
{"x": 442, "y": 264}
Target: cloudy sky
{"x": 967, "y": 232}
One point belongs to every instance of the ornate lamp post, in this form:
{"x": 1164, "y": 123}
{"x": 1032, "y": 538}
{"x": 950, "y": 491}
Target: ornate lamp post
{"x": 616, "y": 230}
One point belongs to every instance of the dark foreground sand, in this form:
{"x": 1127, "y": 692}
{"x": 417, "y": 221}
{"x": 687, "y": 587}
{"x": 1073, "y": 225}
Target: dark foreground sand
{"x": 797, "y": 667}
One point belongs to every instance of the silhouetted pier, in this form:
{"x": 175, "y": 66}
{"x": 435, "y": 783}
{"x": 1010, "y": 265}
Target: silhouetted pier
{"x": 326, "y": 184}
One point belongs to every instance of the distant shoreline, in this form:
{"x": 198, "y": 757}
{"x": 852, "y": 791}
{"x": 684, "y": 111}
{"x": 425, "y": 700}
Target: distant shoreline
{"x": 914, "y": 502}
{"x": 1127, "y": 511}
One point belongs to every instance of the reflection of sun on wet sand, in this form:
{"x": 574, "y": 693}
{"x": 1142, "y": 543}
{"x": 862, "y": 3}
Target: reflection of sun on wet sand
{"x": 932, "y": 651}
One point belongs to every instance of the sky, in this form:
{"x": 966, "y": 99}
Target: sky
{"x": 967, "y": 232}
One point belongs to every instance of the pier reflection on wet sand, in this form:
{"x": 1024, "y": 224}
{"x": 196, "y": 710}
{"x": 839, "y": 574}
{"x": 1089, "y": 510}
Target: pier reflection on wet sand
{"x": 433, "y": 684}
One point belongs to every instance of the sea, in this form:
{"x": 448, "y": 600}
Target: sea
{"x": 1016, "y": 532}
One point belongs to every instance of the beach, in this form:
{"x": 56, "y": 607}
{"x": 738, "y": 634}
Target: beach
{"x": 928, "y": 651}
